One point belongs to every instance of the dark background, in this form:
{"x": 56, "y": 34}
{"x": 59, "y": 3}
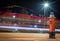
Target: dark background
{"x": 34, "y": 5}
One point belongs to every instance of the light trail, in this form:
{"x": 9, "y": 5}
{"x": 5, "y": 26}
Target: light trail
{"x": 27, "y": 28}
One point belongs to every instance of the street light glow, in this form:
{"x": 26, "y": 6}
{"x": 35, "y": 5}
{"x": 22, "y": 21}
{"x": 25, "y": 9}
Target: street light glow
{"x": 35, "y": 26}
{"x": 39, "y": 21}
{"x": 46, "y": 5}
{"x": 14, "y": 16}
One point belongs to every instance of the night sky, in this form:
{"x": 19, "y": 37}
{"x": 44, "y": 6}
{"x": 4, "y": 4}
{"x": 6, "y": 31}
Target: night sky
{"x": 34, "y": 5}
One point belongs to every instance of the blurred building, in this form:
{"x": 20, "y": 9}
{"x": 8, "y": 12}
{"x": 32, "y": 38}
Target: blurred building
{"x": 22, "y": 19}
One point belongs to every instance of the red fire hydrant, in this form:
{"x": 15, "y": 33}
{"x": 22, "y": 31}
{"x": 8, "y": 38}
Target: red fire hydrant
{"x": 52, "y": 26}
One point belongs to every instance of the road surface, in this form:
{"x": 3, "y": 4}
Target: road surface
{"x": 27, "y": 37}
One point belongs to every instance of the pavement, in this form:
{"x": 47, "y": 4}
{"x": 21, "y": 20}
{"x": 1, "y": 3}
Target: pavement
{"x": 27, "y": 37}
